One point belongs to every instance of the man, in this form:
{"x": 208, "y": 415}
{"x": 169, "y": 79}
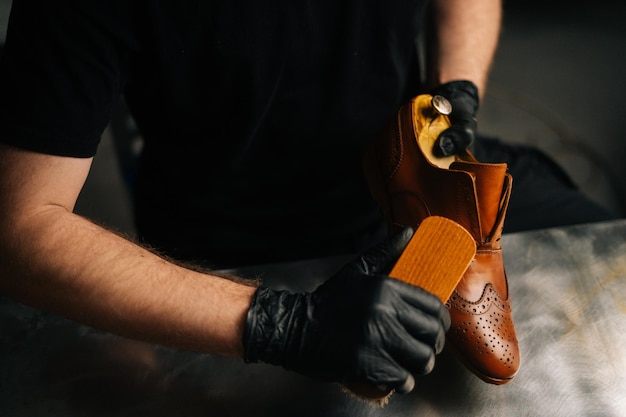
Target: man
{"x": 254, "y": 116}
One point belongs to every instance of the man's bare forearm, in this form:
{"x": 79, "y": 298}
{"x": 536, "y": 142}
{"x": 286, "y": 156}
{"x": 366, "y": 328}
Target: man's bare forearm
{"x": 60, "y": 262}
{"x": 463, "y": 40}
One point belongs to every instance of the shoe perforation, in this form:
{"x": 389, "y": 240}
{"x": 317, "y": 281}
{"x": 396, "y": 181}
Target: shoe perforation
{"x": 489, "y": 332}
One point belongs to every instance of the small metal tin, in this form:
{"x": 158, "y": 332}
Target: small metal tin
{"x": 442, "y": 105}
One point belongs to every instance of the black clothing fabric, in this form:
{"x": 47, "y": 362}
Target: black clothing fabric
{"x": 61, "y": 74}
{"x": 254, "y": 114}
{"x": 543, "y": 194}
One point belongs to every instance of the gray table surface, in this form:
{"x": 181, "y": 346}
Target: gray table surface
{"x": 569, "y": 298}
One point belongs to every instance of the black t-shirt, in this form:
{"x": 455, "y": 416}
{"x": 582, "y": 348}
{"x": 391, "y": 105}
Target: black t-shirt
{"x": 254, "y": 114}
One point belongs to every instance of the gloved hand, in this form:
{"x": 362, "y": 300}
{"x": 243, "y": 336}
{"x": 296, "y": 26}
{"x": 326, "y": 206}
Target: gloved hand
{"x": 463, "y": 96}
{"x": 359, "y": 326}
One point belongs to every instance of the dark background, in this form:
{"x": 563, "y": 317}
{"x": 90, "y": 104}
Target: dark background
{"x": 558, "y": 82}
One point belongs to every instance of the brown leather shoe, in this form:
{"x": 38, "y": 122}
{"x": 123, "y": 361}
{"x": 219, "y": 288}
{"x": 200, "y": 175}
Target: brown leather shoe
{"x": 410, "y": 184}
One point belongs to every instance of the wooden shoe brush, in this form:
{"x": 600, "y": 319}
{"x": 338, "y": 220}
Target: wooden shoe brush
{"x": 435, "y": 259}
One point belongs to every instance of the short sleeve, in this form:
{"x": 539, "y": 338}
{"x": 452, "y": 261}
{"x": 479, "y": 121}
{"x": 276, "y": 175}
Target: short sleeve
{"x": 61, "y": 73}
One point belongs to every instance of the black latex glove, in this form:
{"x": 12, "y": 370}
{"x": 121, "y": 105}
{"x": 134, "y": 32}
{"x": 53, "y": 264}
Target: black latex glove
{"x": 463, "y": 96}
{"x": 359, "y": 326}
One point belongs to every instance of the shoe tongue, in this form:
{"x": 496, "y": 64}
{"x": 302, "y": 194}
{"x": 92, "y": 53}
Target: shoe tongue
{"x": 489, "y": 185}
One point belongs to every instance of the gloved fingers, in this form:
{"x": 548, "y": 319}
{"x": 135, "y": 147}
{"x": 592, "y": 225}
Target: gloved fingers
{"x": 421, "y": 300}
{"x": 454, "y": 140}
{"x": 380, "y": 258}
{"x": 464, "y": 98}
{"x": 407, "y": 386}
{"x": 396, "y": 361}
{"x": 402, "y": 384}
{"x": 412, "y": 355}
{"x": 390, "y": 375}
{"x": 462, "y": 94}
{"x": 425, "y": 328}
